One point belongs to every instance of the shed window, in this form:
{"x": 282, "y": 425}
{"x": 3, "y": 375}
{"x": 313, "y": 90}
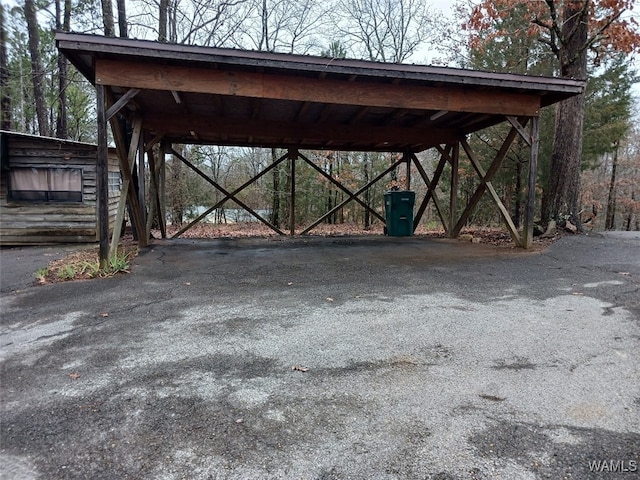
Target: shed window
{"x": 115, "y": 183}
{"x": 45, "y": 184}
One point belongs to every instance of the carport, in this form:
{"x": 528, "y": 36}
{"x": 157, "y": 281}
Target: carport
{"x": 164, "y": 94}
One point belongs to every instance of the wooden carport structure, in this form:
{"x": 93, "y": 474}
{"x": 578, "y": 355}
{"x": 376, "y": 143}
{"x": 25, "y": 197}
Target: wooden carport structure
{"x": 176, "y": 94}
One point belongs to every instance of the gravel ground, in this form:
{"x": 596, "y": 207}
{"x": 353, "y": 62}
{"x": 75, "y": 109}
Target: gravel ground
{"x": 327, "y": 358}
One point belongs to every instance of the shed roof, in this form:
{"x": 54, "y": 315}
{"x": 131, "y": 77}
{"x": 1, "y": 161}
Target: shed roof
{"x": 193, "y": 94}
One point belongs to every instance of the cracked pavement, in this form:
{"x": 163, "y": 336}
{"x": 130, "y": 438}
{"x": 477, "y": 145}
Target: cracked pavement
{"x": 415, "y": 359}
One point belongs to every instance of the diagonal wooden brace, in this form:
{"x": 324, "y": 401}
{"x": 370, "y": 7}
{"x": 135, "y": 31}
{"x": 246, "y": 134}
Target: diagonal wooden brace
{"x": 225, "y": 198}
{"x": 121, "y": 103}
{"x": 228, "y": 194}
{"x": 355, "y": 194}
{"x": 340, "y": 186}
{"x": 431, "y": 190}
{"x": 485, "y": 184}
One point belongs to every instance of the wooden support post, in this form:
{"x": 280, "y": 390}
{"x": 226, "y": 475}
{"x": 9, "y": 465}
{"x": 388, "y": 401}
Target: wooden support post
{"x": 154, "y": 204}
{"x": 531, "y": 184}
{"x": 126, "y": 163}
{"x": 407, "y": 157}
{"x": 126, "y": 157}
{"x": 453, "y": 194}
{"x": 102, "y": 177}
{"x": 292, "y": 155}
{"x": 163, "y": 190}
{"x": 142, "y": 190}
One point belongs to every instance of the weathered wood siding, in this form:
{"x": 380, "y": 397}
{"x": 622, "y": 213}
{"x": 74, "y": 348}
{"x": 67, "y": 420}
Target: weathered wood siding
{"x": 42, "y": 223}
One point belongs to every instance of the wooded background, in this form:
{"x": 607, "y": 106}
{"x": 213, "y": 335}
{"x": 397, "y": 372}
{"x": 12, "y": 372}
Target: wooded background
{"x": 590, "y": 146}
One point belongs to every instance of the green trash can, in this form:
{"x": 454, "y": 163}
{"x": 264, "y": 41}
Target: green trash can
{"x": 398, "y": 209}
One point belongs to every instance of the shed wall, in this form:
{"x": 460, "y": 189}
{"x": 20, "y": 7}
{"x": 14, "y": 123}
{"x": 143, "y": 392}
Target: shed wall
{"x": 23, "y": 223}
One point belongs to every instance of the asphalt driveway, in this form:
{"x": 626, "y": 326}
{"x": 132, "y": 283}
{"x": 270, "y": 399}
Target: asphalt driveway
{"x": 327, "y": 358}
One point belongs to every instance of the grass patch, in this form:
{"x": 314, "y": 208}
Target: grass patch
{"x": 85, "y": 264}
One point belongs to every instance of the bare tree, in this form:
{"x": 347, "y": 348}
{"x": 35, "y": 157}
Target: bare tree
{"x": 205, "y": 22}
{"x": 283, "y": 25}
{"x": 163, "y": 18}
{"x": 384, "y": 30}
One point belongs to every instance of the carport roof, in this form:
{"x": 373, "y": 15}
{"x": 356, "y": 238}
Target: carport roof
{"x": 193, "y": 94}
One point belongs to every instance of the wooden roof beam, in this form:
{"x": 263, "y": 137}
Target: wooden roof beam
{"x": 226, "y": 126}
{"x": 294, "y": 88}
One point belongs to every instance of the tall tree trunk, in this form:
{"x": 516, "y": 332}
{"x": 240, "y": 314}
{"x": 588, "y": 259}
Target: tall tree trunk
{"x": 163, "y": 18}
{"x": 630, "y": 216}
{"x": 173, "y": 22}
{"x": 264, "y": 18}
{"x": 5, "y": 99}
{"x": 63, "y": 22}
{"x": 560, "y": 200}
{"x": 36, "y": 67}
{"x": 122, "y": 18}
{"x": 610, "y": 218}
{"x": 107, "y": 18}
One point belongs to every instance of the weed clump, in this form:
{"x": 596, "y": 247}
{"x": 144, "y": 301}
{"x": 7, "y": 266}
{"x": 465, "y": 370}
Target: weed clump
{"x": 85, "y": 264}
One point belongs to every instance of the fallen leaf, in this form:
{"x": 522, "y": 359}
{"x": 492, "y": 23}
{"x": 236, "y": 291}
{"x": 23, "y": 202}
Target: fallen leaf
{"x": 493, "y": 398}
{"x": 74, "y": 375}
{"x": 299, "y": 368}
{"x": 329, "y": 299}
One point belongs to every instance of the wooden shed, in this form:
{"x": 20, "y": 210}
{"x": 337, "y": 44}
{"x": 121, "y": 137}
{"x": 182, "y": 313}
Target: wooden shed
{"x": 48, "y": 190}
